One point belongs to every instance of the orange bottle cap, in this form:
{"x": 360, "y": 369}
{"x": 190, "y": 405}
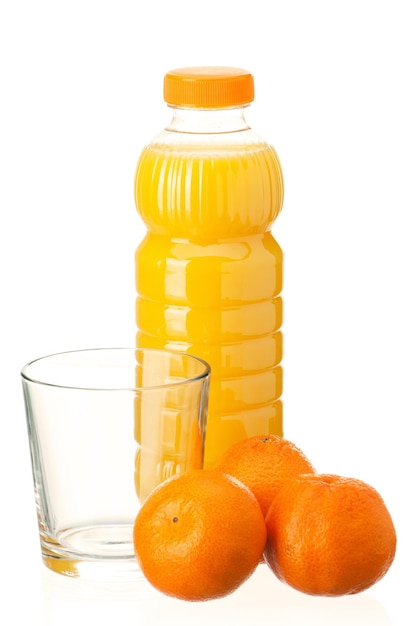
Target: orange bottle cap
{"x": 208, "y": 87}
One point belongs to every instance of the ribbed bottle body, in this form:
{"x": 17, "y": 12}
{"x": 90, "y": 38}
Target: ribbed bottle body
{"x": 209, "y": 273}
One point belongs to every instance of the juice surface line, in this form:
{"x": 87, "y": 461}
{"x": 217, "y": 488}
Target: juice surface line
{"x": 209, "y": 271}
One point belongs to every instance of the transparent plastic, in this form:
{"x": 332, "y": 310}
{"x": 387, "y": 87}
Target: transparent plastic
{"x": 209, "y": 271}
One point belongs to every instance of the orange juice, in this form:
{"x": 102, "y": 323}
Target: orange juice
{"x": 209, "y": 271}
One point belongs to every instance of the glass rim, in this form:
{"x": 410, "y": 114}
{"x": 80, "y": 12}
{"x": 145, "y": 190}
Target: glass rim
{"x": 24, "y": 372}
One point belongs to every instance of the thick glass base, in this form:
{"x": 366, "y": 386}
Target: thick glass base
{"x": 100, "y": 553}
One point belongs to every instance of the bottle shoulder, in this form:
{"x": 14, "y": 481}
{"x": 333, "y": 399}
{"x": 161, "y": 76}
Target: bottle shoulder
{"x": 199, "y": 143}
{"x": 209, "y": 185}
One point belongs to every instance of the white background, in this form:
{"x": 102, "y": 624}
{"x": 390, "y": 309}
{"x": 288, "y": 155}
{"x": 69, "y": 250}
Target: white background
{"x": 80, "y": 95}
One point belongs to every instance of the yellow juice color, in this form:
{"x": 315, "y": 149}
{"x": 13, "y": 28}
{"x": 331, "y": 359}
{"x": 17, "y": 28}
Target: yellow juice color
{"x": 169, "y": 417}
{"x": 209, "y": 273}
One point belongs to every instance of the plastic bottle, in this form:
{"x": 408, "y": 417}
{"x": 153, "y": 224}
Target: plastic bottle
{"x": 209, "y": 271}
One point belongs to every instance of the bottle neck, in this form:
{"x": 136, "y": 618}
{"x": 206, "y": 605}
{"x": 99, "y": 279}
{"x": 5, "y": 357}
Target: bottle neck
{"x": 208, "y": 121}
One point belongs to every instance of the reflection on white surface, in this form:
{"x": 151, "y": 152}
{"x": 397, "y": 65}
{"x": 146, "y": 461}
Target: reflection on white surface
{"x": 261, "y": 600}
{"x": 335, "y": 97}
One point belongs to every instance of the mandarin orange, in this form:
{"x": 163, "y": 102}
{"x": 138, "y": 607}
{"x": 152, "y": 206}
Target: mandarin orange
{"x": 199, "y": 535}
{"x": 261, "y": 462}
{"x": 329, "y": 535}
